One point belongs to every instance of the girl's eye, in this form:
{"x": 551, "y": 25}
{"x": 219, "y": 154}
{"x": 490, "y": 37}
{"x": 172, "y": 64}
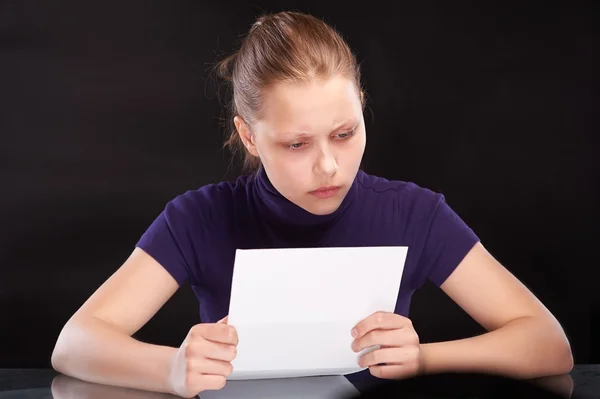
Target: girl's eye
{"x": 295, "y": 146}
{"x": 343, "y": 136}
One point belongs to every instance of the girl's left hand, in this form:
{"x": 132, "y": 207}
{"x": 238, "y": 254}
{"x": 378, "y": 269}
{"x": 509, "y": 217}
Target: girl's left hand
{"x": 399, "y": 355}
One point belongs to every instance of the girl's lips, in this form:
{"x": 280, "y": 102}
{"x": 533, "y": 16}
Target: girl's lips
{"x": 325, "y": 192}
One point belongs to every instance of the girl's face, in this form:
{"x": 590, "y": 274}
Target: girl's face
{"x": 310, "y": 138}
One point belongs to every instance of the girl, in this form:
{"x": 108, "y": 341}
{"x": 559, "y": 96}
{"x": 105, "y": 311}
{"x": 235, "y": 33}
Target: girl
{"x": 297, "y": 117}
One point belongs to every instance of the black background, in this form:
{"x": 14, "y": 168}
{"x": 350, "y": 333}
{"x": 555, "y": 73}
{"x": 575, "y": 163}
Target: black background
{"x": 108, "y": 112}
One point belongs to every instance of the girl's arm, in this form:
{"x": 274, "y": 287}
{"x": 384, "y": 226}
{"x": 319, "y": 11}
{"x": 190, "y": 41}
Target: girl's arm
{"x": 524, "y": 340}
{"x": 96, "y": 345}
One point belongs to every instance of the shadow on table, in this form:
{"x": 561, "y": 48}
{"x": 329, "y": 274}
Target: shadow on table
{"x": 475, "y": 386}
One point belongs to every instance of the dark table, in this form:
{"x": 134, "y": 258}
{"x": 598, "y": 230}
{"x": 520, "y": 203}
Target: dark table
{"x": 582, "y": 382}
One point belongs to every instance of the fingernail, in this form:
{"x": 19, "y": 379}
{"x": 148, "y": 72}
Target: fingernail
{"x": 354, "y": 332}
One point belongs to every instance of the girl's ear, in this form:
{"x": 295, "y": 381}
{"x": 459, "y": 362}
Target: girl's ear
{"x": 245, "y": 135}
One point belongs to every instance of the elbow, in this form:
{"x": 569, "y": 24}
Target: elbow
{"x": 62, "y": 351}
{"x": 552, "y": 353}
{"x": 561, "y": 364}
{"x": 58, "y": 357}
{"x": 566, "y": 361}
{"x": 562, "y": 361}
{"x": 564, "y": 355}
{"x": 56, "y": 361}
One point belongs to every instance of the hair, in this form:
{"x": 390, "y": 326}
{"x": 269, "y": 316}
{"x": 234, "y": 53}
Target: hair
{"x": 290, "y": 47}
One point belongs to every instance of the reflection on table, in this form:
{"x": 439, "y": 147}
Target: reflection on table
{"x": 337, "y": 387}
{"x": 326, "y": 387}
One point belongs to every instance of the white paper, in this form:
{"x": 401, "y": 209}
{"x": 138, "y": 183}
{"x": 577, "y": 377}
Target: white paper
{"x": 294, "y": 308}
{"x": 325, "y": 387}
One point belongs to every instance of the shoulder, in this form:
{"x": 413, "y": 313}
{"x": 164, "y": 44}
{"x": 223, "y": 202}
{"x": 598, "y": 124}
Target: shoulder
{"x": 209, "y": 202}
{"x": 403, "y": 194}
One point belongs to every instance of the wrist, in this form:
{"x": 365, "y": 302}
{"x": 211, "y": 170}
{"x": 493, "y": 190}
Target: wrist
{"x": 432, "y": 358}
{"x": 422, "y": 369}
{"x": 169, "y": 371}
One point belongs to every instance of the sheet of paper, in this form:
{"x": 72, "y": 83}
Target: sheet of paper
{"x": 325, "y": 387}
{"x": 294, "y": 308}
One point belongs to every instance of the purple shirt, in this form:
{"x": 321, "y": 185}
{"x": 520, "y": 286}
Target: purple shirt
{"x": 196, "y": 235}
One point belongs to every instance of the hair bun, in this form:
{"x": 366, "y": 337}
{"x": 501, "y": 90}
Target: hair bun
{"x": 226, "y": 66}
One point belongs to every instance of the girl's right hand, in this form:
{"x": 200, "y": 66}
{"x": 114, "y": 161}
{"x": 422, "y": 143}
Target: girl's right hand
{"x": 203, "y": 360}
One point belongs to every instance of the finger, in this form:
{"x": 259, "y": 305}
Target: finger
{"x": 223, "y": 320}
{"x": 388, "y": 356}
{"x": 202, "y": 348}
{"x": 209, "y": 366}
{"x": 394, "y": 371}
{"x": 393, "y": 338}
{"x": 222, "y": 333}
{"x": 381, "y": 320}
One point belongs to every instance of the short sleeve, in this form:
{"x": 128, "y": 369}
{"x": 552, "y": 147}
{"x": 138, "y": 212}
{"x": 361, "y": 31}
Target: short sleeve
{"x": 168, "y": 241}
{"x": 447, "y": 242}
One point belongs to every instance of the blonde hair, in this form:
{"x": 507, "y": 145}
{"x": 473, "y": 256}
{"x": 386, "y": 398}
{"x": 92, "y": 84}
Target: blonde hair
{"x": 282, "y": 47}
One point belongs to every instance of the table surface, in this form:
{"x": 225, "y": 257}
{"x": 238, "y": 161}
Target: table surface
{"x": 582, "y": 382}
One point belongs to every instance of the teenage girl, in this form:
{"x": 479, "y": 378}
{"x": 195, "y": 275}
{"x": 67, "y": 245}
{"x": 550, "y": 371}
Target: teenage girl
{"x": 297, "y": 119}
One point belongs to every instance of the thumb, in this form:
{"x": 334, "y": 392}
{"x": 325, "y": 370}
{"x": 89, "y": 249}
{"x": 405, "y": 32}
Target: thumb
{"x": 223, "y": 320}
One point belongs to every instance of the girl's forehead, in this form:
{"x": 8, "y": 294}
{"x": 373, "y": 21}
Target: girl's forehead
{"x": 300, "y": 106}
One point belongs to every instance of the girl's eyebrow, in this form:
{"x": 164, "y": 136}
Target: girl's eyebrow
{"x": 350, "y": 123}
